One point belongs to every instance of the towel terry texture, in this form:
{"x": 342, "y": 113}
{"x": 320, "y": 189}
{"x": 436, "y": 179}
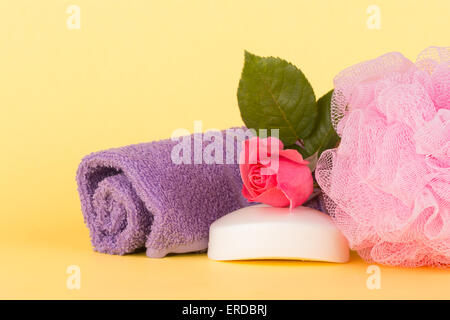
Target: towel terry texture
{"x": 136, "y": 196}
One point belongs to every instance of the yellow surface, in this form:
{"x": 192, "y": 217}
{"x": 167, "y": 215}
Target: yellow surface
{"x": 135, "y": 72}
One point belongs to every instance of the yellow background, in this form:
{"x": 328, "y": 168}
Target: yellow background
{"x": 136, "y": 71}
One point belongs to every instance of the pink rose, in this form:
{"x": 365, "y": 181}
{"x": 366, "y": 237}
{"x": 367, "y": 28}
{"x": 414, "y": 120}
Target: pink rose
{"x": 274, "y": 176}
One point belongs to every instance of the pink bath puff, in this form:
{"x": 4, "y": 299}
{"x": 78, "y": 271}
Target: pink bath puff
{"x": 387, "y": 185}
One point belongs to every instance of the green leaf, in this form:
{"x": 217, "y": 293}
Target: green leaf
{"x": 323, "y": 136}
{"x": 274, "y": 94}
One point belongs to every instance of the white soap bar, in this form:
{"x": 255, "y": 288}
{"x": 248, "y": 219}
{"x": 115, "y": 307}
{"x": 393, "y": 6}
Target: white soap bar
{"x": 263, "y": 232}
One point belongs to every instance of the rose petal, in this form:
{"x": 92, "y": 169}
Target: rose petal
{"x": 295, "y": 180}
{"x": 246, "y": 194}
{"x": 259, "y": 164}
{"x": 273, "y": 197}
{"x": 293, "y": 155}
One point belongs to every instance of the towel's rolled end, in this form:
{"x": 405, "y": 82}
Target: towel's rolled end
{"x": 137, "y": 196}
{"x": 117, "y": 219}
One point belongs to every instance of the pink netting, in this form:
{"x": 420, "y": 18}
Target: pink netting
{"x": 387, "y": 185}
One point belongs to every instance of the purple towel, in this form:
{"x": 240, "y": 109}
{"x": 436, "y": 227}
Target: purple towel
{"x": 136, "y": 196}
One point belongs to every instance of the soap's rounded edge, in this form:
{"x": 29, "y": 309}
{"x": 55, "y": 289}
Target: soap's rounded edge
{"x": 340, "y": 244}
{"x": 227, "y": 221}
{"x": 280, "y": 258}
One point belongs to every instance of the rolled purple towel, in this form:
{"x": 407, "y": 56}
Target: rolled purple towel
{"x": 136, "y": 196}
